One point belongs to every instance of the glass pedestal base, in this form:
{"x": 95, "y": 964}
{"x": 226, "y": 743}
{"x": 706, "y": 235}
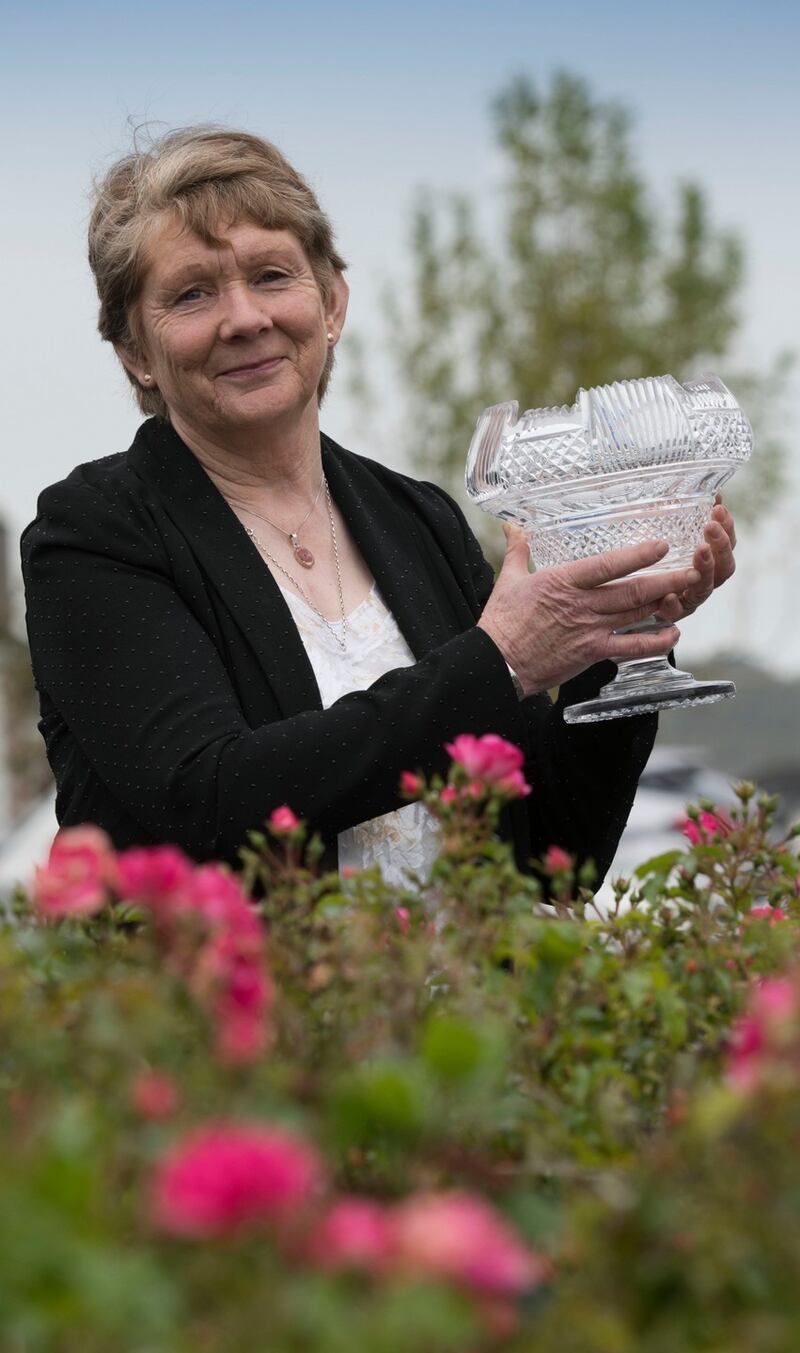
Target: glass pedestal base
{"x": 647, "y": 686}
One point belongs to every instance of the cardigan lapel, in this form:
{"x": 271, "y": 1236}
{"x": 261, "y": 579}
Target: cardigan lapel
{"x": 391, "y": 544}
{"x": 230, "y": 560}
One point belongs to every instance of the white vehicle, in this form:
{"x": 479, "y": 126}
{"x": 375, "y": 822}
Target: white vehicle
{"x": 672, "y": 778}
{"x": 27, "y": 845}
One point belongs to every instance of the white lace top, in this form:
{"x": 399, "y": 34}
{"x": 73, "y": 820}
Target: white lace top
{"x": 406, "y": 838}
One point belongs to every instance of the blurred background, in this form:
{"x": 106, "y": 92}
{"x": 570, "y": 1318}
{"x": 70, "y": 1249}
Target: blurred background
{"x": 531, "y": 198}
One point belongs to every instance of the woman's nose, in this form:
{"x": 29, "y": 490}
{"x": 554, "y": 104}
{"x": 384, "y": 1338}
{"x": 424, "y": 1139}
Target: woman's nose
{"x": 243, "y": 313}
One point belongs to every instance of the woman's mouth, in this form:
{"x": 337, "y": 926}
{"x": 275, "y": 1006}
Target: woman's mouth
{"x": 252, "y": 369}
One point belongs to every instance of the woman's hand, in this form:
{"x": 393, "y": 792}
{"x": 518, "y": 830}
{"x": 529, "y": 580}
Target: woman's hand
{"x": 714, "y": 562}
{"x": 553, "y": 624}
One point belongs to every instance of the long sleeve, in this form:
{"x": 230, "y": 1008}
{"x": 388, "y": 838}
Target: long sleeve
{"x": 583, "y": 777}
{"x": 178, "y": 703}
{"x": 145, "y": 705}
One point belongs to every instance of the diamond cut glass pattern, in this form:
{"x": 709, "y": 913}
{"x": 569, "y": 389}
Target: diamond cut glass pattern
{"x": 633, "y": 461}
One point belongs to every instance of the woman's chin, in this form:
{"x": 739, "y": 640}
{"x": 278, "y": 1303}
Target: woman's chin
{"x": 257, "y": 414}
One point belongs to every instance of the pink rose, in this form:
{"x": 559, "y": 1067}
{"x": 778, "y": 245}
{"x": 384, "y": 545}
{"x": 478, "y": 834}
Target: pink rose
{"x": 514, "y": 785}
{"x": 449, "y": 794}
{"x": 80, "y": 870}
{"x": 774, "y": 1002}
{"x": 154, "y": 875}
{"x": 283, "y": 821}
{"x": 240, "y": 1039}
{"x": 217, "y": 896}
{"x": 765, "y": 913}
{"x": 488, "y": 758}
{"x": 744, "y": 1057}
{"x": 241, "y": 1011}
{"x": 411, "y": 785}
{"x": 557, "y": 860}
{"x": 354, "y": 1233}
{"x": 223, "y": 1179}
{"x": 460, "y": 1236}
{"x": 403, "y": 918}
{"x": 709, "y": 827}
{"x": 226, "y": 970}
{"x": 768, "y": 1027}
{"x": 230, "y": 978}
{"x": 690, "y": 829}
{"x": 154, "y": 1094}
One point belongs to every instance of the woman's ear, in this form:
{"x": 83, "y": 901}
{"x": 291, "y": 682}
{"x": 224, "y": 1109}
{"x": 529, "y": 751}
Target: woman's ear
{"x": 336, "y": 306}
{"x": 136, "y": 365}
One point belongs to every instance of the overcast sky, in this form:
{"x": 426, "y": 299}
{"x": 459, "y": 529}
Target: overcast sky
{"x": 372, "y": 102}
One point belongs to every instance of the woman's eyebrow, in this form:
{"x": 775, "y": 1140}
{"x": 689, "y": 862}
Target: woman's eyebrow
{"x": 263, "y": 255}
{"x": 279, "y": 254}
{"x": 187, "y": 272}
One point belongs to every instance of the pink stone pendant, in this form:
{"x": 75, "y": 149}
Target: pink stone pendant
{"x": 303, "y": 556}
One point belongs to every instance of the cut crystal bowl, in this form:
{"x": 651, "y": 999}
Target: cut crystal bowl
{"x": 633, "y": 461}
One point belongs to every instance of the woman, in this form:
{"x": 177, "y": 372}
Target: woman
{"x": 236, "y": 613}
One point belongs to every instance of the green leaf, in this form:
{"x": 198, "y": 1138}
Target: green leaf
{"x": 661, "y": 865}
{"x": 452, "y": 1047}
{"x": 636, "y": 984}
{"x": 385, "y": 1101}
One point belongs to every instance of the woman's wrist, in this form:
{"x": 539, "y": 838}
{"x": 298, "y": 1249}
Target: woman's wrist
{"x": 519, "y": 690}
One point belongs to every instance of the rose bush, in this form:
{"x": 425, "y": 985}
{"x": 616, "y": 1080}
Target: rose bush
{"x": 293, "y": 1111}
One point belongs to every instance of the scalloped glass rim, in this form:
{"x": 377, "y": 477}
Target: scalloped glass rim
{"x": 627, "y": 462}
{"x": 609, "y": 430}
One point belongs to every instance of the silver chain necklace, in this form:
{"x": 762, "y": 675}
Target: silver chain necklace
{"x": 302, "y": 554}
{"x": 341, "y": 639}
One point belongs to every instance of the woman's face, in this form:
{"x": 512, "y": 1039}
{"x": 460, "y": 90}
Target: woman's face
{"x": 234, "y": 335}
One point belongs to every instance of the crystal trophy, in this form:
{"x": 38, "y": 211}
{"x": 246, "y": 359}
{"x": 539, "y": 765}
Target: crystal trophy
{"x": 633, "y": 461}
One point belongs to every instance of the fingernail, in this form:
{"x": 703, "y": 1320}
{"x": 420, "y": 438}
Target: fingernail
{"x": 692, "y": 577}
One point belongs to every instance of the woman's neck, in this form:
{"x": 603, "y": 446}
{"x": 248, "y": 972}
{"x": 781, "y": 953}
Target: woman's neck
{"x": 286, "y": 465}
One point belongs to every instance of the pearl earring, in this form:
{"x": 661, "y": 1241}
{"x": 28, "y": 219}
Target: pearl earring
{"x": 147, "y": 378}
{"x": 330, "y": 336}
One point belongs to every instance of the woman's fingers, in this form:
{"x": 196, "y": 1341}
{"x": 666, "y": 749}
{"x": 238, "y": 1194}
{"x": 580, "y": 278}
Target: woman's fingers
{"x": 721, "y": 544}
{"x": 671, "y": 608}
{"x": 720, "y": 513}
{"x": 613, "y": 564}
{"x": 650, "y": 644}
{"x": 635, "y": 616}
{"x": 646, "y": 589}
{"x": 714, "y": 563}
{"x": 705, "y": 563}
{"x": 683, "y": 601}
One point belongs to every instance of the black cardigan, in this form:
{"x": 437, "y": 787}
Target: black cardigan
{"x": 177, "y": 701}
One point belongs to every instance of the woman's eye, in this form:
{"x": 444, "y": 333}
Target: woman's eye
{"x": 191, "y": 294}
{"x": 272, "y": 275}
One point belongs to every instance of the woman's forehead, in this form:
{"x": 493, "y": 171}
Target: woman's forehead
{"x": 174, "y": 246}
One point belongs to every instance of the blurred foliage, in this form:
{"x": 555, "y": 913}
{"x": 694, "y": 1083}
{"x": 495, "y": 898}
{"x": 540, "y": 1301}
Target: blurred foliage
{"x": 482, "y": 1031}
{"x": 586, "y": 281}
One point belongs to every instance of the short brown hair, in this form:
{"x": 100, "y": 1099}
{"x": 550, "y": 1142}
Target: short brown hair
{"x": 203, "y": 176}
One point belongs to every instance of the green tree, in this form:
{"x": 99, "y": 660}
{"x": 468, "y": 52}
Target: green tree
{"x": 586, "y": 282}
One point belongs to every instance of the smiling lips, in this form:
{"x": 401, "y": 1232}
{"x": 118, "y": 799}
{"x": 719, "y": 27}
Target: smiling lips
{"x": 252, "y": 368}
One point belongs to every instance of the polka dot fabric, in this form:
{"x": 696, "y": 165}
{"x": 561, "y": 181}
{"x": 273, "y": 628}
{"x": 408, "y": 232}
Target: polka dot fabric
{"x": 177, "y": 700}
